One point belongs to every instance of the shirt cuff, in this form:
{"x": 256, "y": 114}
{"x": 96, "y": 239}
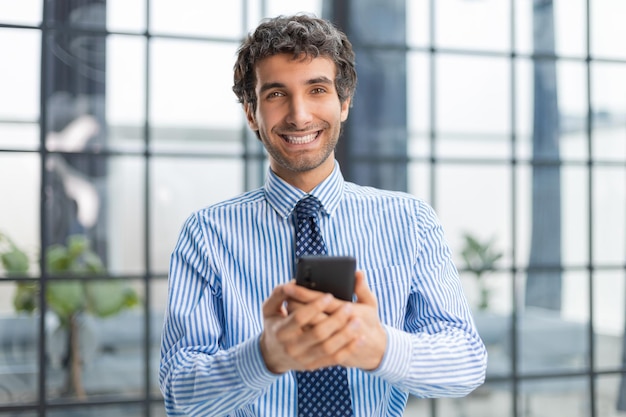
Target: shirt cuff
{"x": 251, "y": 366}
{"x": 394, "y": 366}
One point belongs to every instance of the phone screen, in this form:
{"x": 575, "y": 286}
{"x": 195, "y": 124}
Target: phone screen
{"x": 332, "y": 274}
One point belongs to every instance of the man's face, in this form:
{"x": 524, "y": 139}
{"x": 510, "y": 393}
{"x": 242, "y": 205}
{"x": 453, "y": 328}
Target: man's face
{"x": 298, "y": 116}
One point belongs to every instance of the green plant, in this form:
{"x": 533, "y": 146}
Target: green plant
{"x": 12, "y": 259}
{"x": 68, "y": 299}
{"x": 479, "y": 258}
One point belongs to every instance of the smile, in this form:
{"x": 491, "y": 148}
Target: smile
{"x": 301, "y": 140}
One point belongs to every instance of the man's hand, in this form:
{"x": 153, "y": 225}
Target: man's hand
{"x": 296, "y": 340}
{"x": 371, "y": 343}
{"x": 318, "y": 330}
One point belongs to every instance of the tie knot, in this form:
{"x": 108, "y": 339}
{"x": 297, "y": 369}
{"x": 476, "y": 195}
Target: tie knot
{"x": 308, "y": 207}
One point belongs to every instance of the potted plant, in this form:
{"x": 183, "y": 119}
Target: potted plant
{"x": 70, "y": 299}
{"x": 479, "y": 258}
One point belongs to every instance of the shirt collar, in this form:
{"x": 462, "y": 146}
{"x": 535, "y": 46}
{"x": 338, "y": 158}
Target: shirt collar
{"x": 283, "y": 197}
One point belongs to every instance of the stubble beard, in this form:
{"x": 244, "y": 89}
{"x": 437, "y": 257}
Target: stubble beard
{"x": 305, "y": 161}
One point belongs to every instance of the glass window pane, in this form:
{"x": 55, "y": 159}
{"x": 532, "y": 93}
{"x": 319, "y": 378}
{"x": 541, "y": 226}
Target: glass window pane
{"x": 419, "y": 180}
{"x": 77, "y": 195}
{"x": 125, "y": 92}
{"x": 19, "y": 215}
{"x": 181, "y": 186}
{"x": 555, "y": 397}
{"x": 570, "y": 21}
{"x": 418, "y": 23}
{"x": 476, "y": 99}
{"x": 609, "y": 215}
{"x": 126, "y": 15}
{"x": 419, "y": 147}
{"x": 493, "y": 320}
{"x": 126, "y": 410}
{"x": 196, "y": 17}
{"x": 126, "y": 214}
{"x": 489, "y": 292}
{"x": 483, "y": 191}
{"x": 524, "y": 108}
{"x": 523, "y": 26}
{"x": 569, "y": 25}
{"x": 19, "y": 337}
{"x": 571, "y": 99}
{"x": 158, "y": 410}
{"x": 19, "y": 136}
{"x": 565, "y": 227}
{"x": 189, "y": 140}
{"x": 523, "y": 210}
{"x": 473, "y": 146}
{"x": 456, "y": 23}
{"x": 75, "y": 92}
{"x": 553, "y": 341}
{"x": 611, "y": 395}
{"x": 189, "y": 90}
{"x": 418, "y": 93}
{"x": 607, "y": 28}
{"x": 95, "y": 343}
{"x": 609, "y": 296}
{"x": 575, "y": 305}
{"x": 158, "y": 299}
{"x": 572, "y": 102}
{"x": 19, "y": 74}
{"x": 84, "y": 14}
{"x": 277, "y": 7}
{"x": 488, "y": 400}
{"x": 574, "y": 215}
{"x": 609, "y": 129}
{"x": 24, "y": 12}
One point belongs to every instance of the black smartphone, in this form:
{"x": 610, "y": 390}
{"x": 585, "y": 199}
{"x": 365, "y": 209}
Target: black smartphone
{"x": 332, "y": 274}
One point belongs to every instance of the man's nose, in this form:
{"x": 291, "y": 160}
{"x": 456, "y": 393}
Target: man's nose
{"x": 299, "y": 112}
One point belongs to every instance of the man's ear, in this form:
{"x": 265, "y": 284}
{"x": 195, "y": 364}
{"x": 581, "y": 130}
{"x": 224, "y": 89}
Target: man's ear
{"x": 247, "y": 108}
{"x": 345, "y": 109}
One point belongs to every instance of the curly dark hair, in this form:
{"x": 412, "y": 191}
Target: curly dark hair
{"x": 297, "y": 34}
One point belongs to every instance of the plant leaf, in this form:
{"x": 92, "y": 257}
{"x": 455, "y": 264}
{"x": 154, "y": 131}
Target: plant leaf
{"x": 14, "y": 262}
{"x": 26, "y": 297}
{"x": 106, "y": 298}
{"x": 65, "y": 298}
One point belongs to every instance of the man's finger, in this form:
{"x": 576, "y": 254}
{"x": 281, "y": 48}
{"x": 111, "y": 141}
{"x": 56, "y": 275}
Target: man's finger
{"x": 362, "y": 291}
{"x": 275, "y": 302}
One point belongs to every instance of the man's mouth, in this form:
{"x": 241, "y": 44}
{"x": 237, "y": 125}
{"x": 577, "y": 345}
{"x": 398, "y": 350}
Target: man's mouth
{"x": 301, "y": 140}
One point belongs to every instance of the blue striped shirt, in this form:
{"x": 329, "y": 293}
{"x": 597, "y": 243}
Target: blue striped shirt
{"x": 230, "y": 256}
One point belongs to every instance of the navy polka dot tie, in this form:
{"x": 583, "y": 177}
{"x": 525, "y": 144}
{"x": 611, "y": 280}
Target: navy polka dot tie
{"x": 323, "y": 392}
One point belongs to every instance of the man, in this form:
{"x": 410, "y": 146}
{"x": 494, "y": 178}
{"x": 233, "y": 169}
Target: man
{"x": 240, "y": 338}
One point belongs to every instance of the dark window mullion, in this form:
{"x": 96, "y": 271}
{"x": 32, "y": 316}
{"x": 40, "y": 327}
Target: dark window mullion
{"x": 43, "y": 221}
{"x": 513, "y": 193}
{"x": 147, "y": 219}
{"x": 590, "y": 161}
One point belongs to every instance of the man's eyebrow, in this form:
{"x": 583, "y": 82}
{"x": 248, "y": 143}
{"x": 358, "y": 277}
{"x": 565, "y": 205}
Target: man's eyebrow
{"x": 320, "y": 80}
{"x": 317, "y": 80}
{"x": 269, "y": 86}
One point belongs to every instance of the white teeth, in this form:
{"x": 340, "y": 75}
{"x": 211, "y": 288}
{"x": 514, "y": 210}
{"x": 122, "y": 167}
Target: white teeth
{"x": 300, "y": 140}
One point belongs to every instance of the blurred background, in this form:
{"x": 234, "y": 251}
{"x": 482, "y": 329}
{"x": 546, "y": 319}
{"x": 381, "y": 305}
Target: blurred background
{"x": 117, "y": 120}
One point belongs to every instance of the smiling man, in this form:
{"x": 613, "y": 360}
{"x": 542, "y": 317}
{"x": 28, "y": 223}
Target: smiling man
{"x": 240, "y": 338}
{"x": 298, "y": 116}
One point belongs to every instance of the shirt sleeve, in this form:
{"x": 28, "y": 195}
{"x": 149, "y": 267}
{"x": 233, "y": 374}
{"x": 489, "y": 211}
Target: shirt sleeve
{"x": 197, "y": 376}
{"x": 446, "y": 356}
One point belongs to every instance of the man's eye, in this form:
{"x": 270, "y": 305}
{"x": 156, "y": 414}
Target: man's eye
{"x": 319, "y": 90}
{"x": 275, "y": 94}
